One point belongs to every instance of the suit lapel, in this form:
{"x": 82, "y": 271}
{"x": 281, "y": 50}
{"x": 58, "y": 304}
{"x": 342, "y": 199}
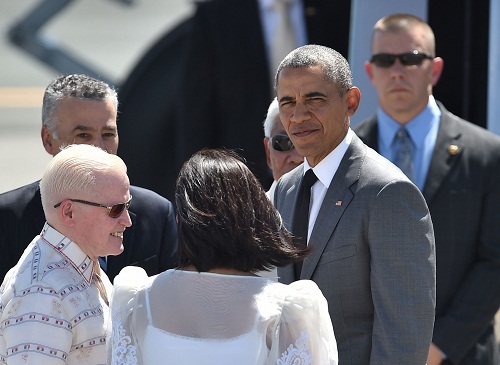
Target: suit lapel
{"x": 336, "y": 200}
{"x": 286, "y": 205}
{"x": 368, "y": 132}
{"x": 446, "y": 155}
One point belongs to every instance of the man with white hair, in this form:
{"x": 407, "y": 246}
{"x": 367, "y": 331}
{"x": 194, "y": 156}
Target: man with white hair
{"x": 280, "y": 153}
{"x": 53, "y": 303}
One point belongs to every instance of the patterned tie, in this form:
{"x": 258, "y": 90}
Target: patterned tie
{"x": 403, "y": 153}
{"x": 283, "y": 40}
{"x": 100, "y": 285}
{"x": 300, "y": 225}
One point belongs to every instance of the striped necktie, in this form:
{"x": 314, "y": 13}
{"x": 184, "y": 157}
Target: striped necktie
{"x": 403, "y": 153}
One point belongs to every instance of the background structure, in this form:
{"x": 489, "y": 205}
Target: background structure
{"x": 108, "y": 35}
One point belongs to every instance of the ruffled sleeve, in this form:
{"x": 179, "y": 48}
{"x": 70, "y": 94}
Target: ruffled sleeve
{"x": 122, "y": 341}
{"x": 304, "y": 333}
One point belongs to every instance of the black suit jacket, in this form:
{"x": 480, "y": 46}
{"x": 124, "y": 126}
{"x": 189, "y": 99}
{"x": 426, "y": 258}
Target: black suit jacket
{"x": 207, "y": 84}
{"x": 462, "y": 191}
{"x": 151, "y": 241}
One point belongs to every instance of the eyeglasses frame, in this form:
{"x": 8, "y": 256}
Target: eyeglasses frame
{"x": 420, "y": 55}
{"x": 281, "y": 135}
{"x": 126, "y": 205}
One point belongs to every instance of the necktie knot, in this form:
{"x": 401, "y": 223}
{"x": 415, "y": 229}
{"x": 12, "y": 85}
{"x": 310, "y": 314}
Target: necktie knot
{"x": 309, "y": 179}
{"x": 402, "y": 134}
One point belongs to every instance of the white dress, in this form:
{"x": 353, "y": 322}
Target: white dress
{"x": 184, "y": 318}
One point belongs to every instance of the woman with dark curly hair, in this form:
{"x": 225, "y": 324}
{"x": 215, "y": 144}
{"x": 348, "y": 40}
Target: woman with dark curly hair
{"x": 214, "y": 308}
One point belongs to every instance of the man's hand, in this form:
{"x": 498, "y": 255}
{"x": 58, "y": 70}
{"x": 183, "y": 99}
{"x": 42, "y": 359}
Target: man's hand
{"x": 435, "y": 356}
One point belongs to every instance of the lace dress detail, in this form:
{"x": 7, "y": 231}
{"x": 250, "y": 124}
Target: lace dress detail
{"x": 298, "y": 354}
{"x": 183, "y": 318}
{"x": 124, "y": 352}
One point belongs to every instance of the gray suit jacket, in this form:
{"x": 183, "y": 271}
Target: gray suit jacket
{"x": 373, "y": 258}
{"x": 462, "y": 191}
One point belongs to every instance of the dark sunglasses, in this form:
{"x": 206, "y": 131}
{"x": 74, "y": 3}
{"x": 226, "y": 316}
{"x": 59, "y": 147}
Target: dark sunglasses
{"x": 407, "y": 59}
{"x": 281, "y": 143}
{"x": 114, "y": 211}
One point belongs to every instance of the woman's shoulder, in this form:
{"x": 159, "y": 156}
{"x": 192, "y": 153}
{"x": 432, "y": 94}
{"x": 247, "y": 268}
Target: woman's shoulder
{"x": 299, "y": 295}
{"x": 298, "y": 288}
{"x": 132, "y": 276}
{"x": 305, "y": 286}
{"x": 304, "y": 294}
{"x": 129, "y": 281}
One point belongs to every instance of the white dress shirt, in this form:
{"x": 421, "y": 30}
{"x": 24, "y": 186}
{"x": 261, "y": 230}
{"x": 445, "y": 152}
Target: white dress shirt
{"x": 325, "y": 171}
{"x": 270, "y": 192}
{"x": 50, "y": 308}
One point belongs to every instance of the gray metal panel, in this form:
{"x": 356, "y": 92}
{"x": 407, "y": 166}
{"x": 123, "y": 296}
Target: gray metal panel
{"x": 493, "y": 122}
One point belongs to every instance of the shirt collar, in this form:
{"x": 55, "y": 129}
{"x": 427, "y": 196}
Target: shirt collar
{"x": 327, "y": 167}
{"x": 70, "y": 250}
{"x": 417, "y": 128}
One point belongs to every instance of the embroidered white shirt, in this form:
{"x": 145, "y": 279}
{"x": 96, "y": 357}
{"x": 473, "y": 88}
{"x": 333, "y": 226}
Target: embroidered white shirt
{"x": 50, "y": 309}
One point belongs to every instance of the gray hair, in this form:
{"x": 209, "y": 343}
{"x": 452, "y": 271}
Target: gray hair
{"x": 73, "y": 86}
{"x": 272, "y": 117}
{"x": 73, "y": 173}
{"x": 335, "y": 67}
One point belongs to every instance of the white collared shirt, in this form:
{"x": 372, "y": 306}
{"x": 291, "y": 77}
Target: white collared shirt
{"x": 50, "y": 309}
{"x": 272, "y": 189}
{"x": 325, "y": 171}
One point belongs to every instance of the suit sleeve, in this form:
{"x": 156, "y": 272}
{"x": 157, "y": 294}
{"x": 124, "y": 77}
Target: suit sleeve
{"x": 168, "y": 255}
{"x": 477, "y": 299}
{"x": 403, "y": 275}
{"x": 5, "y": 260}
